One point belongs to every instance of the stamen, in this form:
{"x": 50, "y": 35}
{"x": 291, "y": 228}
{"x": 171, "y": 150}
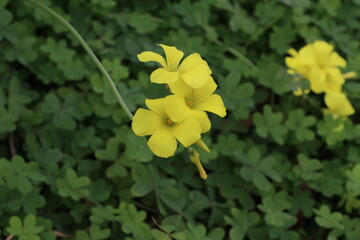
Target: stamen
{"x": 170, "y": 122}
{"x": 189, "y": 103}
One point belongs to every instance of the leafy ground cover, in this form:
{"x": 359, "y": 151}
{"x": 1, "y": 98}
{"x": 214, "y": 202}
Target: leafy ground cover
{"x": 71, "y": 167}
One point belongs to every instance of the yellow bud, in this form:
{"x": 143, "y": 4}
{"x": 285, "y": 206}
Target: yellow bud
{"x": 202, "y": 145}
{"x": 349, "y": 75}
{"x": 195, "y": 158}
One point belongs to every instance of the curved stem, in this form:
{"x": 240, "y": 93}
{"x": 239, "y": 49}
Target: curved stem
{"x": 91, "y": 54}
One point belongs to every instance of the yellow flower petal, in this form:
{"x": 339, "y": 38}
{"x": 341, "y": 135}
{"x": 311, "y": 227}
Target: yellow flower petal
{"x": 196, "y": 76}
{"x": 338, "y": 104}
{"x": 336, "y": 61}
{"x": 308, "y": 55}
{"x": 151, "y": 56}
{"x": 205, "y": 91}
{"x": 187, "y": 131}
{"x": 194, "y": 70}
{"x": 334, "y": 80}
{"x": 176, "y": 108}
{"x": 292, "y": 52}
{"x": 161, "y": 75}
{"x": 146, "y": 122}
{"x": 173, "y": 57}
{"x": 162, "y": 143}
{"x": 202, "y": 118}
{"x": 191, "y": 61}
{"x": 323, "y": 51}
{"x": 293, "y": 62}
{"x": 156, "y": 105}
{"x": 317, "y": 78}
{"x": 213, "y": 103}
{"x": 180, "y": 88}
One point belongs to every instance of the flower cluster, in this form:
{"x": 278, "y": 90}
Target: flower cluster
{"x": 180, "y": 116}
{"x": 318, "y": 63}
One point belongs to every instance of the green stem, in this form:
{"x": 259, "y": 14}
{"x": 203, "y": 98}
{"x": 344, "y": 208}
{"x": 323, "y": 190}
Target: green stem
{"x": 91, "y": 54}
{"x": 238, "y": 54}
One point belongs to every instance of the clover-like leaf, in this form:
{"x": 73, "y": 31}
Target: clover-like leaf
{"x": 258, "y": 169}
{"x": 237, "y": 96}
{"x": 327, "y": 219}
{"x": 132, "y": 221}
{"x": 308, "y": 169}
{"x": 26, "y": 229}
{"x": 353, "y": 182}
{"x": 21, "y": 175}
{"x": 95, "y": 233}
{"x": 241, "y": 222}
{"x": 299, "y": 123}
{"x": 270, "y": 123}
{"x": 73, "y": 186}
{"x": 273, "y": 207}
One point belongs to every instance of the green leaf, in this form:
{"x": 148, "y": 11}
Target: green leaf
{"x": 257, "y": 169}
{"x": 19, "y": 96}
{"x": 327, "y": 219}
{"x": 5, "y": 19}
{"x": 299, "y": 123}
{"x": 132, "y": 222}
{"x": 25, "y": 229}
{"x": 95, "y": 233}
{"x": 241, "y": 222}
{"x": 236, "y": 96}
{"x": 281, "y": 38}
{"x": 273, "y": 207}
{"x": 7, "y": 121}
{"x": 270, "y": 123}
{"x": 143, "y": 23}
{"x": 352, "y": 184}
{"x": 72, "y": 185}
{"x": 241, "y": 21}
{"x": 21, "y": 175}
{"x": 308, "y": 169}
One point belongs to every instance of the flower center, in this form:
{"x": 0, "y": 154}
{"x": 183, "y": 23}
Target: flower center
{"x": 170, "y": 122}
{"x": 189, "y": 103}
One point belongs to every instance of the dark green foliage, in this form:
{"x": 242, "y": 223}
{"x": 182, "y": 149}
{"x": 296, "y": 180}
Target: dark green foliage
{"x": 70, "y": 165}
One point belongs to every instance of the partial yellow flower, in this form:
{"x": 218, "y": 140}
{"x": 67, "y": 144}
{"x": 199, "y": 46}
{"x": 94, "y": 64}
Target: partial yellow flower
{"x": 320, "y": 65}
{"x": 197, "y": 101}
{"x": 193, "y": 70}
{"x": 338, "y": 104}
{"x": 163, "y": 129}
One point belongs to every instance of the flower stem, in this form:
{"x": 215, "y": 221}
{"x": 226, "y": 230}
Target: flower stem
{"x": 88, "y": 51}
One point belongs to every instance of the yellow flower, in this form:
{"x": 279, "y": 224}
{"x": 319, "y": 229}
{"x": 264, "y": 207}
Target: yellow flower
{"x": 163, "y": 129}
{"x": 338, "y": 104}
{"x": 193, "y": 70}
{"x": 197, "y": 101}
{"x": 319, "y": 64}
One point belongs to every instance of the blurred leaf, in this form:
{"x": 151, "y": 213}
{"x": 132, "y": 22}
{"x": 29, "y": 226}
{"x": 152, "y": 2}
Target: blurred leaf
{"x": 327, "y": 219}
{"x": 269, "y": 123}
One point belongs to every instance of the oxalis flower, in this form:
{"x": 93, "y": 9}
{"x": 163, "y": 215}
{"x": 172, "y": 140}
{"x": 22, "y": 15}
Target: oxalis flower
{"x": 338, "y": 104}
{"x": 194, "y": 102}
{"x": 164, "y": 130}
{"x": 193, "y": 70}
{"x": 319, "y": 64}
